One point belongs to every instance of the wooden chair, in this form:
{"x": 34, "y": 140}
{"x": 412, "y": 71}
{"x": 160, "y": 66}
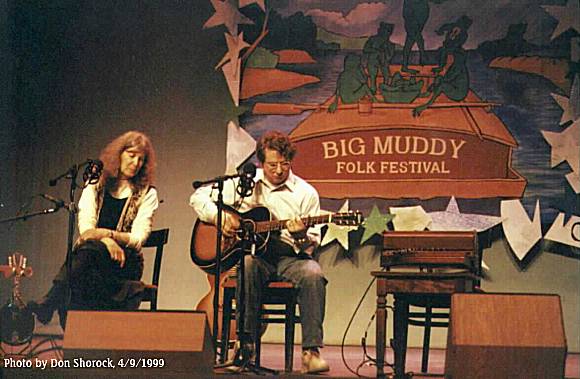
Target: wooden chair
{"x": 435, "y": 315}
{"x": 158, "y": 239}
{"x": 277, "y": 294}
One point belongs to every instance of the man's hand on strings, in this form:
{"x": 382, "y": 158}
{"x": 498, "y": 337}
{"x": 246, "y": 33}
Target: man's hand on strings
{"x": 297, "y": 228}
{"x": 230, "y": 224}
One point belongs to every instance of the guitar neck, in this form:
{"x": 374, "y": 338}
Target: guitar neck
{"x": 276, "y": 225}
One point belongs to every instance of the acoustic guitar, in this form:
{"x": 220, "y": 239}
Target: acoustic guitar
{"x": 255, "y": 224}
{"x": 16, "y": 320}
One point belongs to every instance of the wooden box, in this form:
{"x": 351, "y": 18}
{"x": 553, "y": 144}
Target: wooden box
{"x": 505, "y": 336}
{"x": 137, "y": 343}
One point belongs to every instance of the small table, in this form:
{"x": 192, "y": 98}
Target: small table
{"x": 409, "y": 283}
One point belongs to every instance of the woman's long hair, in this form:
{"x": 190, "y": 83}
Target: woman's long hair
{"x": 111, "y": 157}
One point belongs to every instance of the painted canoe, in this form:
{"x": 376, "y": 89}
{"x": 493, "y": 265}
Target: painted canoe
{"x": 459, "y": 149}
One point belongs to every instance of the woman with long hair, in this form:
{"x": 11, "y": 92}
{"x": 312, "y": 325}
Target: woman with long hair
{"x": 114, "y": 219}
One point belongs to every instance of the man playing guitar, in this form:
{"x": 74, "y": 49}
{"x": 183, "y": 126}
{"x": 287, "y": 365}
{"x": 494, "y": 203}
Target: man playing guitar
{"x": 288, "y": 253}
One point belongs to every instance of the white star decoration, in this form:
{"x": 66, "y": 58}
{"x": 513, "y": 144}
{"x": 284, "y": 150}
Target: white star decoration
{"x": 567, "y": 16}
{"x": 520, "y": 233}
{"x": 570, "y": 105}
{"x": 226, "y": 13}
{"x": 338, "y": 232}
{"x": 233, "y": 73}
{"x": 245, "y": 3}
{"x": 410, "y": 218}
{"x": 231, "y": 64}
{"x": 235, "y": 45}
{"x": 565, "y": 146}
{"x": 240, "y": 146}
{"x": 452, "y": 219}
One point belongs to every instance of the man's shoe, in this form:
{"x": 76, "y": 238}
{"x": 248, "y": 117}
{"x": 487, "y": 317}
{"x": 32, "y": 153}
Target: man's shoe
{"x": 244, "y": 353}
{"x": 248, "y": 352}
{"x": 313, "y": 363}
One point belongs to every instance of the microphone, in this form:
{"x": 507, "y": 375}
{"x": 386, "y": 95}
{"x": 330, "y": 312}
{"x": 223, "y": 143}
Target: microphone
{"x": 93, "y": 171}
{"x": 246, "y": 184}
{"x": 58, "y": 202}
{"x": 249, "y": 170}
{"x": 96, "y": 162}
{"x": 91, "y": 175}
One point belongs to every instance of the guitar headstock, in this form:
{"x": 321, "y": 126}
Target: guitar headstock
{"x": 17, "y": 265}
{"x": 351, "y": 218}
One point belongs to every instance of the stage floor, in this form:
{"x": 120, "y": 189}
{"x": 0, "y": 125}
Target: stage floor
{"x": 273, "y": 358}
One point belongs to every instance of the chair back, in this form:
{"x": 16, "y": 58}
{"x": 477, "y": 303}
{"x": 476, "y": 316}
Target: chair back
{"x": 276, "y": 293}
{"x": 157, "y": 239}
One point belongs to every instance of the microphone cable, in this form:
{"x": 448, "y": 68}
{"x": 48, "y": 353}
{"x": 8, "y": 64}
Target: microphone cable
{"x": 366, "y": 358}
{"x": 348, "y": 328}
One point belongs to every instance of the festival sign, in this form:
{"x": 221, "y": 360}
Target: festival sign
{"x": 458, "y": 149}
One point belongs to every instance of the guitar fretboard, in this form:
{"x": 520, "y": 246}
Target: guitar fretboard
{"x": 276, "y": 225}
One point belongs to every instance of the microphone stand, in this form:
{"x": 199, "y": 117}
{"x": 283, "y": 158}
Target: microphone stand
{"x": 219, "y": 184}
{"x": 72, "y": 211}
{"x": 32, "y": 214}
{"x": 218, "y": 265}
{"x": 248, "y": 243}
{"x": 71, "y": 174}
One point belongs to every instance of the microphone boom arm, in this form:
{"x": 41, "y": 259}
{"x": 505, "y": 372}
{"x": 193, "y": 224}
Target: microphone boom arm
{"x": 248, "y": 171}
{"x": 29, "y": 215}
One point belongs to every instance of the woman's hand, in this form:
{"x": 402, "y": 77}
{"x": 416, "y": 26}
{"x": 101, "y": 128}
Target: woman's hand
{"x": 95, "y": 234}
{"x": 115, "y": 251}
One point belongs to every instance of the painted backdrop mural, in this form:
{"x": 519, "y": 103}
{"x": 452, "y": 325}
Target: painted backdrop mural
{"x": 421, "y": 107}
